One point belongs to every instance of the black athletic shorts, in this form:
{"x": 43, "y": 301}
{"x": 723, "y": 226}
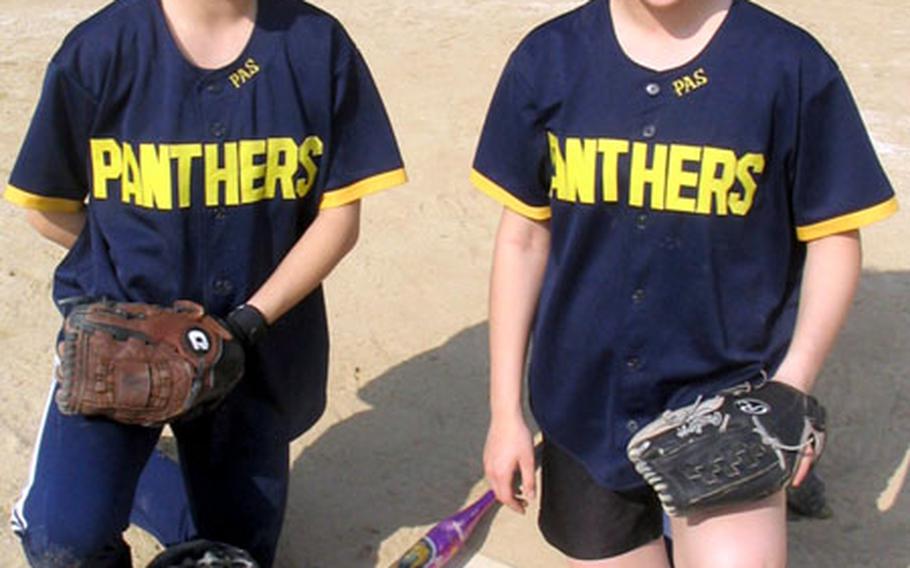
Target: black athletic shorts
{"x": 587, "y": 521}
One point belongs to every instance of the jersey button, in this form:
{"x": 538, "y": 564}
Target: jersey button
{"x": 638, "y": 296}
{"x": 633, "y": 363}
{"x": 214, "y": 87}
{"x": 649, "y": 131}
{"x": 218, "y": 130}
{"x": 641, "y": 221}
{"x": 652, "y": 89}
{"x": 222, "y": 287}
{"x": 221, "y": 213}
{"x": 632, "y": 426}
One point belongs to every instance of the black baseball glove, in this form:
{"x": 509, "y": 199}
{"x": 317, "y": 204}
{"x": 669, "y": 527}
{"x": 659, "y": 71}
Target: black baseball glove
{"x": 738, "y": 446}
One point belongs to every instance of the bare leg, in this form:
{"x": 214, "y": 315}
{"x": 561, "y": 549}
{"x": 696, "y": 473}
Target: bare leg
{"x": 745, "y": 536}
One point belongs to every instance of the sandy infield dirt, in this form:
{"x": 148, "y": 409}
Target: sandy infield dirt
{"x": 399, "y": 447}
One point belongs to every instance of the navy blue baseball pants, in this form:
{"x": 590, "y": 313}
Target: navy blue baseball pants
{"x": 85, "y": 472}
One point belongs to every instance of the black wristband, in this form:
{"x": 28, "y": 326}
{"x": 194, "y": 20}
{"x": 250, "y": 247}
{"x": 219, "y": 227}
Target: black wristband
{"x": 247, "y": 323}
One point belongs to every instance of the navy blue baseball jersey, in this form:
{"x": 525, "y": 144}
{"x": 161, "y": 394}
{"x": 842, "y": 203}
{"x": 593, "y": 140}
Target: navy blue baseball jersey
{"x": 679, "y": 204}
{"x": 196, "y": 182}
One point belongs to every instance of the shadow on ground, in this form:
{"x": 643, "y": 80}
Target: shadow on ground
{"x": 866, "y": 391}
{"x": 376, "y": 472}
{"x": 379, "y": 471}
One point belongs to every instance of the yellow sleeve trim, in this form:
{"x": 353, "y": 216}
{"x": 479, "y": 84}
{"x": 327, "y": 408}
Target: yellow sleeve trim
{"x": 362, "y": 188}
{"x": 488, "y": 186}
{"x": 847, "y": 222}
{"x": 28, "y": 200}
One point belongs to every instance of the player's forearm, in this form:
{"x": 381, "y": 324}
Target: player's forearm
{"x": 331, "y": 236}
{"x": 519, "y": 262}
{"x": 60, "y": 228}
{"x": 830, "y": 277}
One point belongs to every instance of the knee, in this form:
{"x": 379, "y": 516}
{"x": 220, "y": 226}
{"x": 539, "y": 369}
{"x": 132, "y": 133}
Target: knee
{"x": 55, "y": 549}
{"x": 732, "y": 555}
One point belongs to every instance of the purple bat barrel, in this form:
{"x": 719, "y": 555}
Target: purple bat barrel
{"x": 447, "y": 537}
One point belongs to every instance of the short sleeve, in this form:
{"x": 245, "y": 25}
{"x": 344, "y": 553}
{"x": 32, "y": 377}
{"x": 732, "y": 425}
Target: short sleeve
{"x": 363, "y": 156}
{"x": 838, "y": 183}
{"x": 510, "y": 162}
{"x": 50, "y": 173}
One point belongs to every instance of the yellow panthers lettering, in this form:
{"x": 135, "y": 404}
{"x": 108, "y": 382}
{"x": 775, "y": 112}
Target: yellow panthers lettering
{"x": 185, "y": 154}
{"x": 716, "y": 179}
{"x": 252, "y": 170}
{"x": 130, "y": 182}
{"x": 611, "y": 150}
{"x": 107, "y": 163}
{"x": 558, "y": 180}
{"x": 699, "y": 180}
{"x": 680, "y": 179}
{"x": 654, "y": 175}
{"x": 155, "y": 172}
{"x": 218, "y": 176}
{"x": 581, "y": 161}
{"x": 280, "y": 167}
{"x": 311, "y": 148}
{"x": 747, "y": 165}
{"x": 160, "y": 176}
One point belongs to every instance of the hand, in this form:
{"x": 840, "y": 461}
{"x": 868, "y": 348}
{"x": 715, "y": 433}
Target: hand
{"x": 805, "y": 465}
{"x": 807, "y": 458}
{"x": 509, "y": 449}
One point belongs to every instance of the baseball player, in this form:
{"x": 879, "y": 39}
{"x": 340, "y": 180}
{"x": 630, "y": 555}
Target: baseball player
{"x": 216, "y": 151}
{"x": 683, "y": 184}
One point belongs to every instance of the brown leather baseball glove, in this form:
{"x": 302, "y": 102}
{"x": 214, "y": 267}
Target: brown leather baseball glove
{"x": 145, "y": 364}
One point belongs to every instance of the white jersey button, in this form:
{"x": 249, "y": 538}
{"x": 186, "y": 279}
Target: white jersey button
{"x": 649, "y": 131}
{"x": 652, "y": 89}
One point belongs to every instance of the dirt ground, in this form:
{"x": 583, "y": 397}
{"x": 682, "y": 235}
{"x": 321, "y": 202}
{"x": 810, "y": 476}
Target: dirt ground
{"x": 399, "y": 447}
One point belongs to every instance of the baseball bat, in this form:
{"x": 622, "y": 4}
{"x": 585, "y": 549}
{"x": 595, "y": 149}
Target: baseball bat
{"x": 448, "y": 536}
